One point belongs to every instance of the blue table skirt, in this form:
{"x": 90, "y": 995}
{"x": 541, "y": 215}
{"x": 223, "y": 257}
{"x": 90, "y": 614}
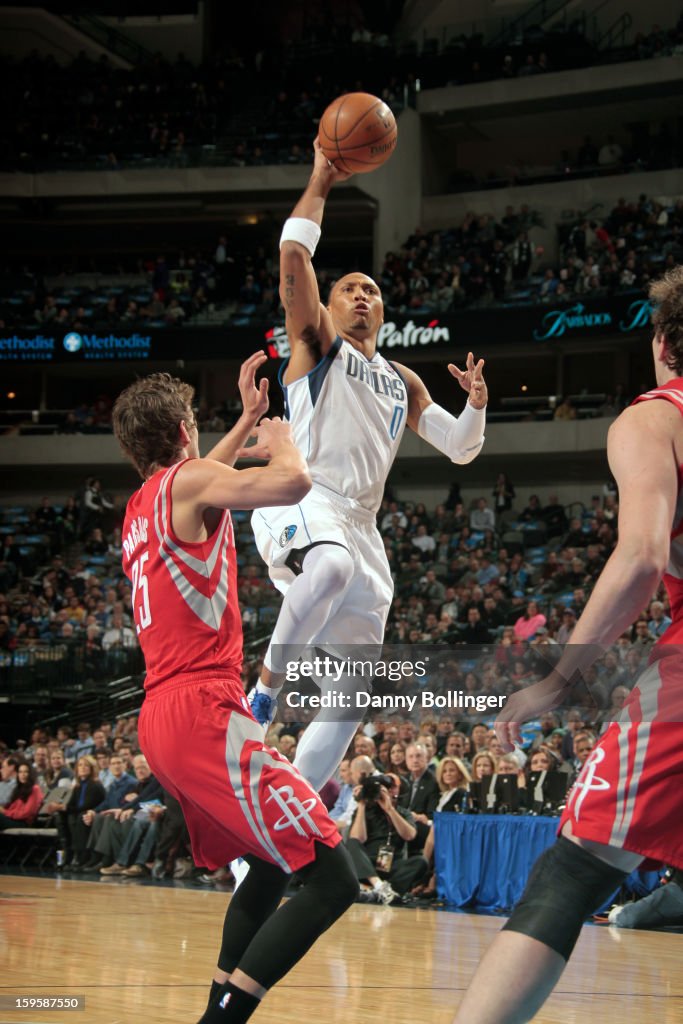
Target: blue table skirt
{"x": 483, "y": 860}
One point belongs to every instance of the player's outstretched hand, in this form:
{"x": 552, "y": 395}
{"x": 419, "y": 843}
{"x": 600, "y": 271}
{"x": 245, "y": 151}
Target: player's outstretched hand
{"x": 525, "y": 705}
{"x": 270, "y": 436}
{"x": 472, "y": 381}
{"x": 323, "y": 166}
{"x": 254, "y": 399}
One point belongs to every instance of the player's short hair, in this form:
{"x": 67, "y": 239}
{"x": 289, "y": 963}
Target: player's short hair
{"x": 351, "y": 273}
{"x": 666, "y": 295}
{"x": 146, "y": 418}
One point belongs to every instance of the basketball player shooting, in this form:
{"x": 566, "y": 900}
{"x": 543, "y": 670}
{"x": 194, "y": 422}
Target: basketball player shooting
{"x": 348, "y": 407}
{"x": 239, "y": 798}
{"x": 626, "y": 805}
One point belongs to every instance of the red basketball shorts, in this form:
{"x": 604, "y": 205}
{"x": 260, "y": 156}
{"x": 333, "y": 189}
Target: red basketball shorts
{"x": 629, "y": 793}
{"x": 238, "y": 796}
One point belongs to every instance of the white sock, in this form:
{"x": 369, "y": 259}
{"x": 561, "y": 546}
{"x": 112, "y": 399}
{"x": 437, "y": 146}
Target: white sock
{"x": 270, "y": 691}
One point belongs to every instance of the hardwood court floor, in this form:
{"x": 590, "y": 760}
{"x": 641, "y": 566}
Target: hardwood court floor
{"x": 145, "y": 955}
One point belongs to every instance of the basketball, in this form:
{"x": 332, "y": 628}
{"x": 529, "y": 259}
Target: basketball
{"x": 358, "y": 132}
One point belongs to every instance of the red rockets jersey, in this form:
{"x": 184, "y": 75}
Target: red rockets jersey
{"x": 185, "y": 604}
{"x": 672, "y": 392}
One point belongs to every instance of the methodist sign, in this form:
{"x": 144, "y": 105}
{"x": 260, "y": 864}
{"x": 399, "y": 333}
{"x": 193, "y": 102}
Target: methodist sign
{"x": 65, "y": 347}
{"x": 438, "y": 333}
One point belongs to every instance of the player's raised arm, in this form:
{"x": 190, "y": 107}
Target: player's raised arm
{"x": 643, "y": 463}
{"x": 308, "y": 322}
{"x": 204, "y": 483}
{"x": 254, "y": 405}
{"x": 458, "y": 437}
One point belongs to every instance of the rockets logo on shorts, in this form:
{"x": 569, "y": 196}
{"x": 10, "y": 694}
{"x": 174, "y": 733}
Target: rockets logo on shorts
{"x": 587, "y": 781}
{"x": 294, "y": 811}
{"x": 286, "y": 535}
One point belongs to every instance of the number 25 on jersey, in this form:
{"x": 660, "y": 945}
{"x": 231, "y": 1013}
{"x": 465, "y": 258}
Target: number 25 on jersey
{"x": 142, "y": 614}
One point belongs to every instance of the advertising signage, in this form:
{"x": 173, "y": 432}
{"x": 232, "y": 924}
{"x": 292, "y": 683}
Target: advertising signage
{"x": 580, "y": 318}
{"x": 72, "y": 346}
{"x": 443, "y": 333}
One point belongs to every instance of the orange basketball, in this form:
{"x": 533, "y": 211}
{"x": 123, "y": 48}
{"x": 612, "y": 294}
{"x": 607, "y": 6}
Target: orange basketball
{"x": 357, "y": 132}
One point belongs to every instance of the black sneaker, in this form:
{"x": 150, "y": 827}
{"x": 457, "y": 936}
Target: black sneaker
{"x": 93, "y": 865}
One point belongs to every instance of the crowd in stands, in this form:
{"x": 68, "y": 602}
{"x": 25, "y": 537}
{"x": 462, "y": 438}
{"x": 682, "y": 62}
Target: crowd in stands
{"x": 649, "y": 148}
{"x": 500, "y": 583}
{"x": 223, "y": 285}
{"x": 485, "y": 261}
{"x": 64, "y": 603}
{"x": 480, "y": 262}
{"x": 466, "y": 575}
{"x": 96, "y": 789}
{"x": 253, "y": 108}
{"x": 90, "y": 115}
{"x": 111, "y": 816}
{"x": 155, "y": 293}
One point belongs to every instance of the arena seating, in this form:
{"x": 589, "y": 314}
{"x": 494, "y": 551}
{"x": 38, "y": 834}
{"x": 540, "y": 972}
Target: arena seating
{"x": 57, "y": 605}
{"x": 90, "y": 115}
{"x": 476, "y": 263}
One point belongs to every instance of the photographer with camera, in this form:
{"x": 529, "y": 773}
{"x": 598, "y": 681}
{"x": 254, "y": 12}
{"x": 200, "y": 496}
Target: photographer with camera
{"x": 378, "y": 837}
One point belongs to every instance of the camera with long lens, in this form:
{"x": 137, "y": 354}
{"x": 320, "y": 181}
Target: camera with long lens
{"x": 372, "y": 784}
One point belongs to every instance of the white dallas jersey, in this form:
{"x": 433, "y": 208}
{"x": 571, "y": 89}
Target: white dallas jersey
{"x": 347, "y": 417}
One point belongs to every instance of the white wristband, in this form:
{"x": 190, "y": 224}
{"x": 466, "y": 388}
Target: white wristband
{"x": 300, "y": 229}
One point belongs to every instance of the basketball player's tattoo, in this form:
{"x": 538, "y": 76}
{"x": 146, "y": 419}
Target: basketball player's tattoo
{"x": 289, "y": 290}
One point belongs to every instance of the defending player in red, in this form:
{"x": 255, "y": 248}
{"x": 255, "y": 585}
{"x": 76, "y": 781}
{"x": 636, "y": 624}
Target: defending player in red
{"x": 239, "y": 797}
{"x": 627, "y": 803}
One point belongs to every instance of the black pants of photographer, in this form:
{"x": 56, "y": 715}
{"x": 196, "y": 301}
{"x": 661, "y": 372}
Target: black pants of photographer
{"x": 403, "y": 876}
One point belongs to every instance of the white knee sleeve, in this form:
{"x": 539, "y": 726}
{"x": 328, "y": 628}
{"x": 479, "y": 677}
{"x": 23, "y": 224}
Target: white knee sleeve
{"x": 309, "y": 602}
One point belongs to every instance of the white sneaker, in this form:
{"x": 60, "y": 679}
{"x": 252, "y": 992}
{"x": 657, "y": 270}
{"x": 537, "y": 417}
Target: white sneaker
{"x": 614, "y": 914}
{"x": 385, "y": 893}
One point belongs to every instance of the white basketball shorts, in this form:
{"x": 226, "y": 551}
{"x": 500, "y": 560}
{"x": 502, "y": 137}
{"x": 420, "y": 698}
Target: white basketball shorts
{"x": 325, "y": 516}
